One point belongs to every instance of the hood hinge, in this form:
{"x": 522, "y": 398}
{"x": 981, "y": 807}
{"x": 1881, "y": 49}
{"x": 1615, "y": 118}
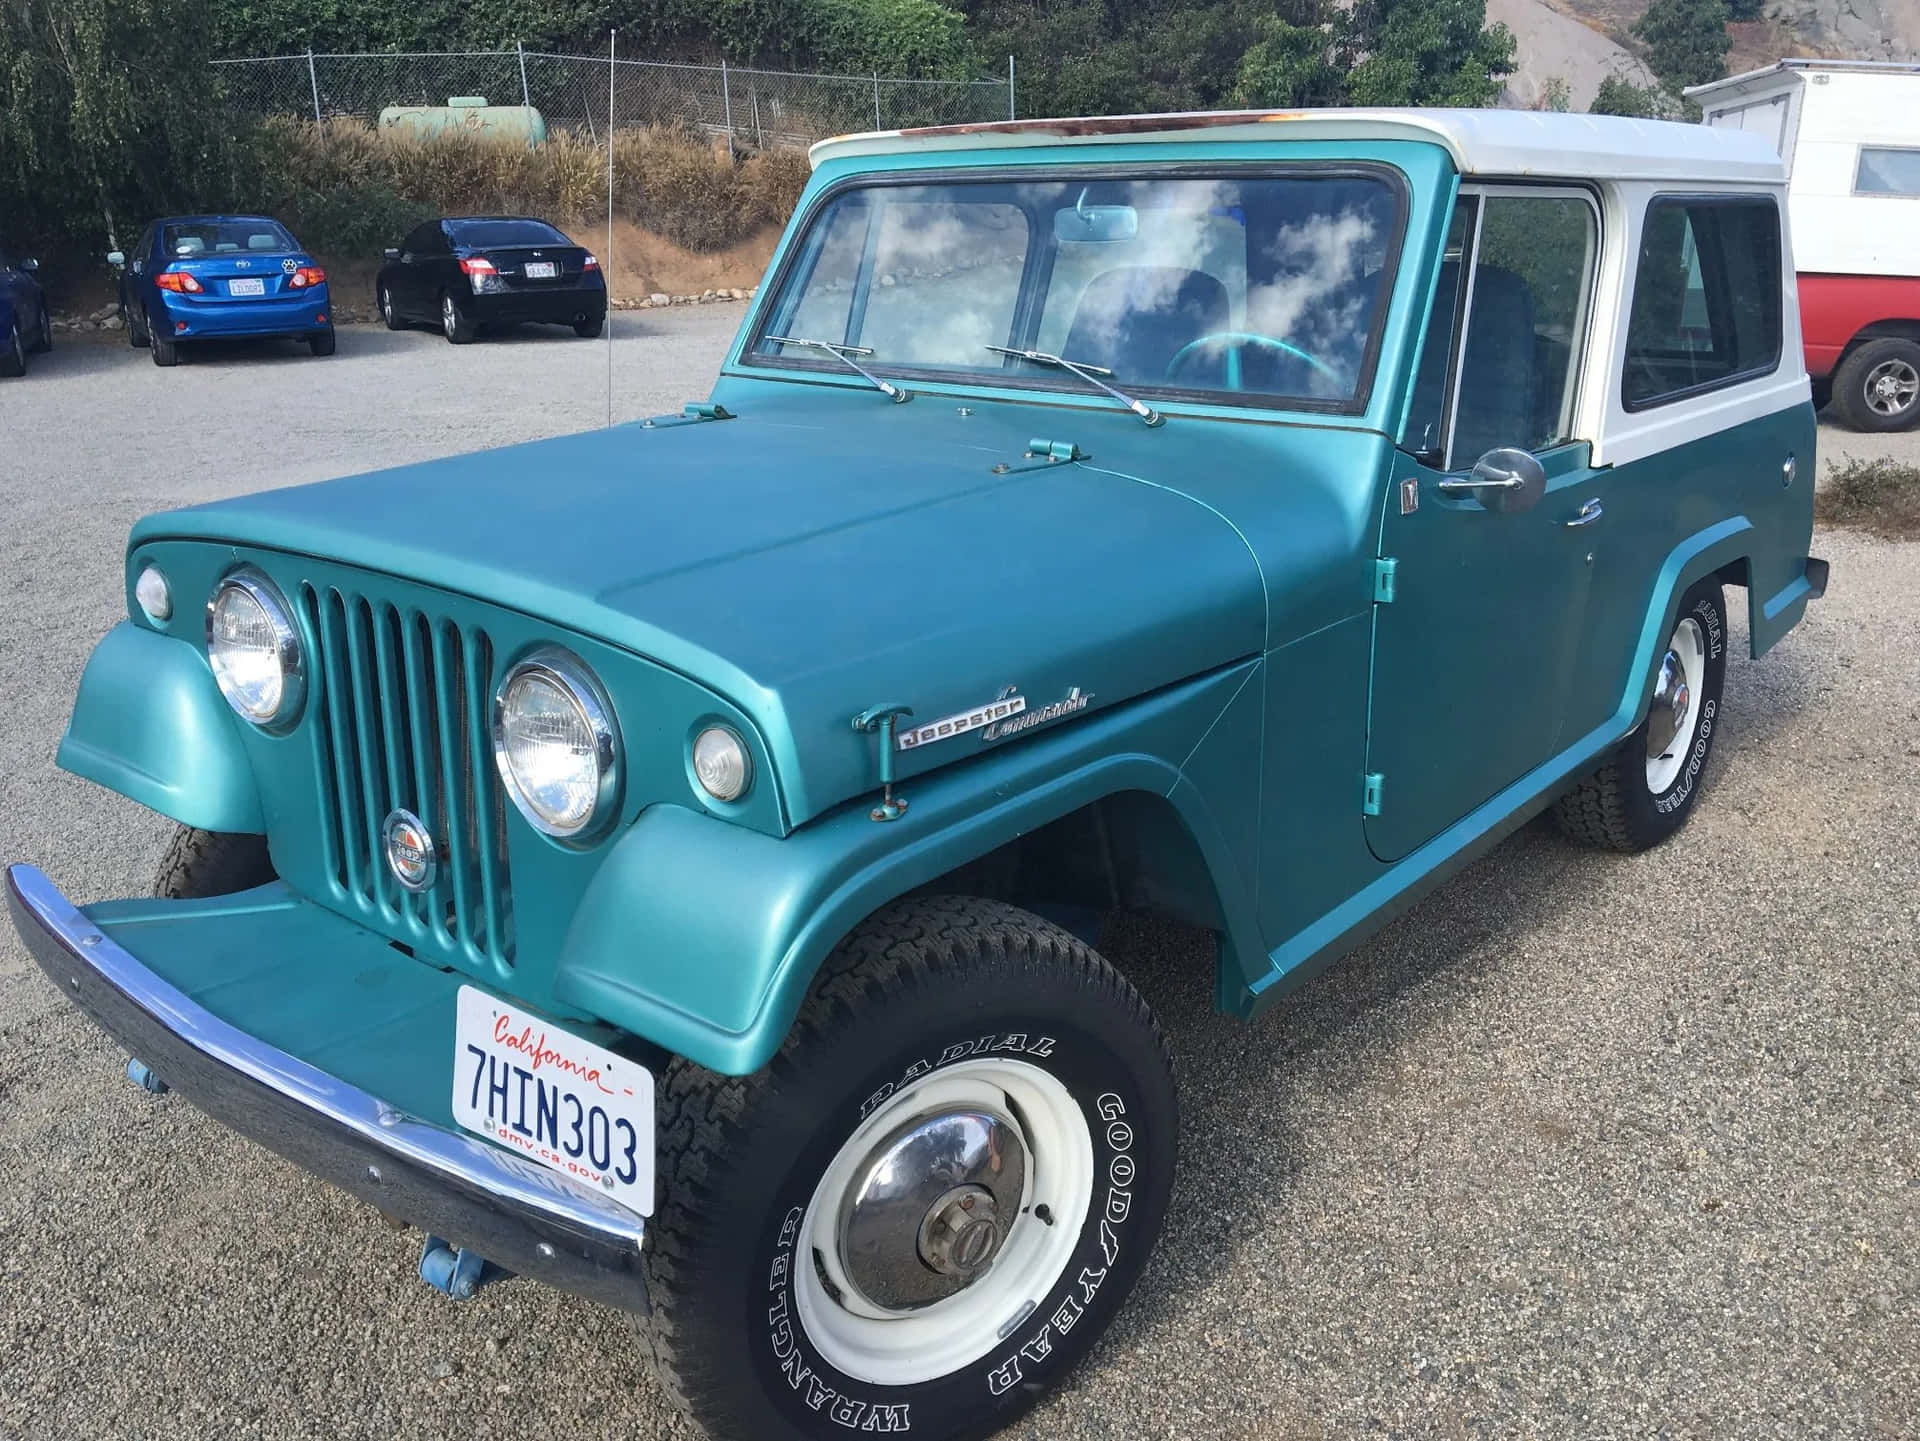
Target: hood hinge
{"x": 1041, "y": 453}
{"x": 1383, "y": 580}
{"x": 1371, "y": 793}
{"x": 885, "y": 719}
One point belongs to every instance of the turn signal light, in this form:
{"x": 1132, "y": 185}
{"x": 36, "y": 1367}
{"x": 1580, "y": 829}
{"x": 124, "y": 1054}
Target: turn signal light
{"x": 307, "y": 275}
{"x": 179, "y": 282}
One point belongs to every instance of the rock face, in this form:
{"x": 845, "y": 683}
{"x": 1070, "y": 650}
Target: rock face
{"x": 1853, "y": 29}
{"x": 1552, "y": 45}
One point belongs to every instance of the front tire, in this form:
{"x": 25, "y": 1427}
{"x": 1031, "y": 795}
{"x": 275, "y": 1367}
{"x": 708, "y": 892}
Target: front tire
{"x": 388, "y": 312}
{"x": 928, "y": 1206}
{"x": 43, "y": 340}
{"x": 13, "y": 355}
{"x": 138, "y": 334}
{"x": 1877, "y": 387}
{"x": 1648, "y": 787}
{"x": 198, "y": 864}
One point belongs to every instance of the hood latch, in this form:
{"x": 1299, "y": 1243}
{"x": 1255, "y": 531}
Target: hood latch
{"x": 1043, "y": 453}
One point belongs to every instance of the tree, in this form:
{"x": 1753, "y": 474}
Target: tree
{"x": 1618, "y": 96}
{"x": 1422, "y": 52}
{"x": 1686, "y": 40}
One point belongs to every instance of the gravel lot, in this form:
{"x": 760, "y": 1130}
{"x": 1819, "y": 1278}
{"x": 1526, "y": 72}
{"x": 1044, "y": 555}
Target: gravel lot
{"x": 1584, "y": 1146}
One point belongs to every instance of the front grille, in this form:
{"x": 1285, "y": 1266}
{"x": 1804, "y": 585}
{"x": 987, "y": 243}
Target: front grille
{"x": 403, "y": 721}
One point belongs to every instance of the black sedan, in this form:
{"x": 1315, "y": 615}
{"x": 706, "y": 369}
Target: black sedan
{"x": 467, "y": 272}
{"x": 25, "y": 323}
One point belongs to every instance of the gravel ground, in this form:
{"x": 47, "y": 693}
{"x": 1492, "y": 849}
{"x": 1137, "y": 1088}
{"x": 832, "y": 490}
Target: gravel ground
{"x": 1583, "y": 1146}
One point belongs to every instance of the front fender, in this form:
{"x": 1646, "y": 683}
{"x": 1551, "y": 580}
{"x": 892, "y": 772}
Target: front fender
{"x": 702, "y": 936}
{"x": 150, "y": 723}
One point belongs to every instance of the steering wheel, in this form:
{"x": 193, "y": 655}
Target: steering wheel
{"x": 1240, "y": 338}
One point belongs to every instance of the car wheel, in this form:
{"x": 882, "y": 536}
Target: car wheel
{"x": 1877, "y": 387}
{"x": 323, "y": 343}
{"x": 13, "y": 355}
{"x": 929, "y": 1205}
{"x": 201, "y": 863}
{"x": 166, "y": 350}
{"x": 1648, "y": 787}
{"x": 590, "y": 328}
{"x": 388, "y": 313}
{"x": 457, "y": 327}
{"x": 138, "y": 331}
{"x": 43, "y": 342}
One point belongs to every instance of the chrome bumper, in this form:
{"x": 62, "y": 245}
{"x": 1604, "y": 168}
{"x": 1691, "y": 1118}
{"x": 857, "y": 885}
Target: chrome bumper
{"x": 516, "y": 1214}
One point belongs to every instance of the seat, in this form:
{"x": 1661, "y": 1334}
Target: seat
{"x": 1136, "y": 318}
{"x": 1498, "y": 371}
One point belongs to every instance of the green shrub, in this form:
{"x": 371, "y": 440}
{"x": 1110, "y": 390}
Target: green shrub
{"x": 1881, "y": 496}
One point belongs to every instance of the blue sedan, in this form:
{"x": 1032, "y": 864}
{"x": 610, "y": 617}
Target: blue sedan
{"x": 205, "y": 277}
{"x": 25, "y": 325}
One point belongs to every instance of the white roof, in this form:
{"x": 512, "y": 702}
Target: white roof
{"x": 1481, "y": 142}
{"x": 1748, "y": 78}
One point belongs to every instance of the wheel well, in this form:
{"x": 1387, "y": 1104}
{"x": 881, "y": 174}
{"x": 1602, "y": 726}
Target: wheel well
{"x": 1126, "y": 851}
{"x": 1736, "y": 572}
{"x": 1879, "y": 330}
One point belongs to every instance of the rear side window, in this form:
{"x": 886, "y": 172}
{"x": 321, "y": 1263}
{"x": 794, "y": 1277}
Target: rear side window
{"x": 1706, "y": 298}
{"x": 506, "y": 232}
{"x": 1886, "y": 171}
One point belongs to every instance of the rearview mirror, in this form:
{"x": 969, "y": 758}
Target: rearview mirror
{"x": 116, "y": 258}
{"x": 30, "y": 265}
{"x": 1095, "y": 224}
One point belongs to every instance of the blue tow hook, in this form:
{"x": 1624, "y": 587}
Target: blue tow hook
{"x": 141, "y": 1074}
{"x": 455, "y": 1271}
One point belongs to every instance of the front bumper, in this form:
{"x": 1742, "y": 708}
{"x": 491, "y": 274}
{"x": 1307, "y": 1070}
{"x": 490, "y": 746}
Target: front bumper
{"x": 516, "y": 1214}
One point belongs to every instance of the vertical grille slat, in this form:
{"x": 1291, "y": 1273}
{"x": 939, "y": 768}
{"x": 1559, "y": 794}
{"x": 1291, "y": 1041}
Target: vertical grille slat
{"x": 404, "y": 716}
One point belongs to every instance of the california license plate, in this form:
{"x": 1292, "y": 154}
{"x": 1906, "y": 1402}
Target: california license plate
{"x": 254, "y": 286}
{"x": 557, "y": 1099}
{"x": 541, "y": 270}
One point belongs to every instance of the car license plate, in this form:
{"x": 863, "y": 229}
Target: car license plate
{"x": 541, "y": 270}
{"x": 254, "y": 286}
{"x": 557, "y": 1099}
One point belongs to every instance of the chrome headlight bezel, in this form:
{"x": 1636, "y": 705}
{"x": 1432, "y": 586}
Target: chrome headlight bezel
{"x": 571, "y": 675}
{"x": 288, "y": 650}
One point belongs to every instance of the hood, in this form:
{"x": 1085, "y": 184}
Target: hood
{"x": 811, "y": 560}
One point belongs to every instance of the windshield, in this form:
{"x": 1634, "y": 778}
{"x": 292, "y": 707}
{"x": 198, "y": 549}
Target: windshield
{"x": 1243, "y": 289}
{"x": 188, "y": 238}
{"x": 505, "y": 232}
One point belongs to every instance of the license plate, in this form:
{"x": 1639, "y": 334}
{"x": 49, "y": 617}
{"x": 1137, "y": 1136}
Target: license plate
{"x": 541, "y": 270}
{"x": 254, "y": 286}
{"x": 557, "y": 1099}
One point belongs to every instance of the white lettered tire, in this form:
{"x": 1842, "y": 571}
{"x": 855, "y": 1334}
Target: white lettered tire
{"x": 924, "y": 1211}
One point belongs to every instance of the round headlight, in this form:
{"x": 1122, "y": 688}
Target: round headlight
{"x": 554, "y": 742}
{"x": 721, "y": 763}
{"x": 153, "y": 595}
{"x": 254, "y": 649}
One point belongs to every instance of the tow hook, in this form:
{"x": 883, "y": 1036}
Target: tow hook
{"x": 455, "y": 1271}
{"x": 141, "y": 1074}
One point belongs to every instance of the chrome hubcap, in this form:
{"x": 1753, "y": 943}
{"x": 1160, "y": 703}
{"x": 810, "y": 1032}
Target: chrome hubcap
{"x": 1673, "y": 720}
{"x": 1672, "y": 699}
{"x": 931, "y": 1206}
{"x": 447, "y": 317}
{"x": 1892, "y": 386}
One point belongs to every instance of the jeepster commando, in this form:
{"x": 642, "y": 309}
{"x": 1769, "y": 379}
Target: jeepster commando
{"x": 652, "y": 861}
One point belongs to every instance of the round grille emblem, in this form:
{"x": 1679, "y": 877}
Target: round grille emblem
{"x": 410, "y": 852}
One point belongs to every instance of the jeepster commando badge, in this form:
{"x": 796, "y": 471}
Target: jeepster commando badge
{"x": 1071, "y": 703}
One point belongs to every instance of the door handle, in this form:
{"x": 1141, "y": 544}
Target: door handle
{"x": 1589, "y": 513}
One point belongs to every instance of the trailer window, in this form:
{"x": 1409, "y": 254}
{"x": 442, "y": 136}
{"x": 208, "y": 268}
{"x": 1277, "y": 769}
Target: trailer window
{"x": 1886, "y": 171}
{"x": 1706, "y": 298}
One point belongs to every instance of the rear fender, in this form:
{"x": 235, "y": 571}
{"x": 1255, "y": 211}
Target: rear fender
{"x": 702, "y": 937}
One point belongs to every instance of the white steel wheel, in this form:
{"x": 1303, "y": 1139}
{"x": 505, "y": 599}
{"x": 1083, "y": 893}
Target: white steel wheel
{"x": 1673, "y": 719}
{"x": 943, "y": 1221}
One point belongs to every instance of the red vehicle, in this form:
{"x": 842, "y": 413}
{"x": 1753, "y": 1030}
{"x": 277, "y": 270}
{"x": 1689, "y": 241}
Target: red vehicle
{"x": 1850, "y": 134}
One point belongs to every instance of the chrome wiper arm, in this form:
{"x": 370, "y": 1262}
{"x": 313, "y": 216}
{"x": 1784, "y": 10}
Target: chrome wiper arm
{"x": 845, "y": 355}
{"x": 1089, "y": 373}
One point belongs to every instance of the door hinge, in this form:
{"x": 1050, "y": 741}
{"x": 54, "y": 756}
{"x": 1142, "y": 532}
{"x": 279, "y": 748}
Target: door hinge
{"x": 1383, "y": 582}
{"x": 1371, "y": 792}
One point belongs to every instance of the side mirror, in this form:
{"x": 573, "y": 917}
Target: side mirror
{"x": 1504, "y": 480}
{"x": 30, "y": 265}
{"x": 116, "y": 258}
{"x": 390, "y": 253}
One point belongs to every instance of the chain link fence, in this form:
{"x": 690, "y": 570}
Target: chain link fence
{"x": 758, "y": 108}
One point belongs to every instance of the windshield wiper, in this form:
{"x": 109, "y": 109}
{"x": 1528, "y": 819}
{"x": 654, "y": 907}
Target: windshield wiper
{"x": 845, "y": 355}
{"x": 1089, "y": 373}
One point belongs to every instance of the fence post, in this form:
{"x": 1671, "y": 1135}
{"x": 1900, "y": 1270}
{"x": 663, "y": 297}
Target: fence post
{"x": 526, "y": 95}
{"x": 1011, "y": 114}
{"x": 313, "y": 79}
{"x": 726, "y": 99}
{"x": 876, "y": 101}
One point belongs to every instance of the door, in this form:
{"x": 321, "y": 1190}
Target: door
{"x": 1478, "y": 633}
{"x": 414, "y": 280}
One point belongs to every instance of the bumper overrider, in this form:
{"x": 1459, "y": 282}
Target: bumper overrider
{"x": 516, "y": 1214}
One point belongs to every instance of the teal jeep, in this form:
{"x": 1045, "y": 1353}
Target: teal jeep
{"x": 658, "y": 861}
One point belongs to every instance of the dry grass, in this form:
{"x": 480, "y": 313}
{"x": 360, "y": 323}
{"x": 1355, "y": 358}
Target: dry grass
{"x": 1880, "y": 496}
{"x": 352, "y": 188}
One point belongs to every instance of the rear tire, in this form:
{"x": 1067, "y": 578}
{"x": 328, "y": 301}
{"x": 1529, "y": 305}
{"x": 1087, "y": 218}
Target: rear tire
{"x": 458, "y": 327}
{"x": 1648, "y": 786}
{"x": 1877, "y": 387}
{"x": 166, "y": 350}
{"x": 590, "y": 329}
{"x": 323, "y": 343}
{"x": 13, "y": 355}
{"x": 949, "y": 1042}
{"x": 201, "y": 863}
